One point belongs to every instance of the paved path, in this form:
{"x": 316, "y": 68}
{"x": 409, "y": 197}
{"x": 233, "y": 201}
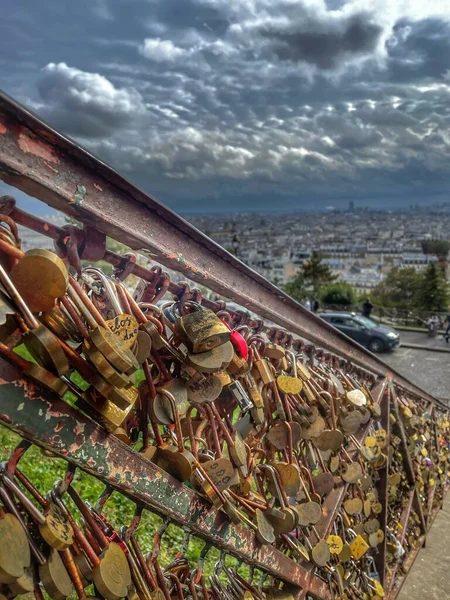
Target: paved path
{"x": 428, "y": 578}
{"x": 427, "y": 369}
{"x": 420, "y": 338}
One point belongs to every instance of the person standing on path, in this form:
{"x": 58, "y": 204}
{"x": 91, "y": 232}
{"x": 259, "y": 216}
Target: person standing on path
{"x": 447, "y": 328}
{"x": 367, "y": 308}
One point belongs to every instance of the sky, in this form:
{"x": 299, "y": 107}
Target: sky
{"x": 244, "y": 105}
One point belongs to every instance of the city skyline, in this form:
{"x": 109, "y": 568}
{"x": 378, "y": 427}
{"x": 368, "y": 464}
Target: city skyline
{"x": 247, "y": 105}
{"x": 359, "y": 246}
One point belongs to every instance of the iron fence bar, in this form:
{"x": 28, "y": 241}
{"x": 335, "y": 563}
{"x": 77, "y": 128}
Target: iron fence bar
{"x": 43, "y": 163}
{"x": 383, "y": 488}
{"x": 404, "y": 444}
{"x": 390, "y": 579}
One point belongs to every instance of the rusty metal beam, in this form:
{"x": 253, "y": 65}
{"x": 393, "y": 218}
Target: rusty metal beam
{"x": 390, "y": 576}
{"x": 404, "y": 443}
{"x": 419, "y": 508}
{"x": 430, "y": 500}
{"x": 382, "y": 486}
{"x": 50, "y": 423}
{"x": 317, "y": 588}
{"x": 51, "y": 167}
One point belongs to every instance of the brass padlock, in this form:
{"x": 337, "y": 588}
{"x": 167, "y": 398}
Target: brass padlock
{"x": 212, "y": 361}
{"x": 262, "y": 370}
{"x": 254, "y": 391}
{"x": 201, "y": 330}
{"x": 274, "y": 351}
{"x": 40, "y": 277}
{"x": 238, "y": 366}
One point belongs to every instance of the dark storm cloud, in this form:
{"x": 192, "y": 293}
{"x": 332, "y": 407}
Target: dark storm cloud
{"x": 327, "y": 47}
{"x": 419, "y": 50}
{"x": 244, "y": 103}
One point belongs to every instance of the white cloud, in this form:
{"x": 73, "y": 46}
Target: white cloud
{"x": 161, "y": 50}
{"x": 85, "y": 90}
{"x": 87, "y": 102}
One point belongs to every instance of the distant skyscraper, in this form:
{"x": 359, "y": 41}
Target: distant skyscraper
{"x": 351, "y": 206}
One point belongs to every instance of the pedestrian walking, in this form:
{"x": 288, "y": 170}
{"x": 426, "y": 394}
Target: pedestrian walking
{"x": 433, "y": 325}
{"x": 315, "y": 305}
{"x": 307, "y": 304}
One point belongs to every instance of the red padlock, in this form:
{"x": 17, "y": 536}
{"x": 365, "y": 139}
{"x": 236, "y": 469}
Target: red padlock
{"x": 238, "y": 341}
{"x": 109, "y": 531}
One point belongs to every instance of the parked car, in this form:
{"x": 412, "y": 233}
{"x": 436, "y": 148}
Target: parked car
{"x": 377, "y": 338}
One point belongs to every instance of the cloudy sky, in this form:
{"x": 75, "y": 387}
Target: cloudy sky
{"x": 245, "y": 104}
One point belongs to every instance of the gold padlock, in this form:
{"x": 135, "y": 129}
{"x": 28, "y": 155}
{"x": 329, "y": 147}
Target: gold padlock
{"x": 262, "y": 370}
{"x": 238, "y": 366}
{"x": 201, "y": 330}
{"x": 254, "y": 391}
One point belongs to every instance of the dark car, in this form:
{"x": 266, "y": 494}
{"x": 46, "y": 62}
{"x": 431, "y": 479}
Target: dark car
{"x": 377, "y": 338}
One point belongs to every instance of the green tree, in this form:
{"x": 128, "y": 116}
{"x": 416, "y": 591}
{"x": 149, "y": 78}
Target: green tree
{"x": 316, "y": 274}
{"x": 339, "y": 294}
{"x": 434, "y": 292}
{"x": 296, "y": 287}
{"x": 400, "y": 289}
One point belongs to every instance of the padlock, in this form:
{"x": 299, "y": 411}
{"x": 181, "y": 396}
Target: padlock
{"x": 201, "y": 330}
{"x": 358, "y": 546}
{"x": 40, "y": 277}
{"x": 261, "y": 369}
{"x": 254, "y": 391}
{"x": 121, "y": 324}
{"x": 42, "y": 344}
{"x": 239, "y": 343}
{"x": 240, "y": 395}
{"x": 211, "y": 361}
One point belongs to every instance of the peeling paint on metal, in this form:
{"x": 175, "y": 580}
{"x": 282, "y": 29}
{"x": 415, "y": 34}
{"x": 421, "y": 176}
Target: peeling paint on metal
{"x": 5, "y": 418}
{"x": 79, "y": 428}
{"x": 79, "y": 196}
{"x": 21, "y": 406}
{"x": 98, "y": 187}
{"x": 2, "y": 129}
{"x": 52, "y": 413}
{"x": 182, "y": 261}
{"x": 30, "y": 144}
{"x": 51, "y": 168}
